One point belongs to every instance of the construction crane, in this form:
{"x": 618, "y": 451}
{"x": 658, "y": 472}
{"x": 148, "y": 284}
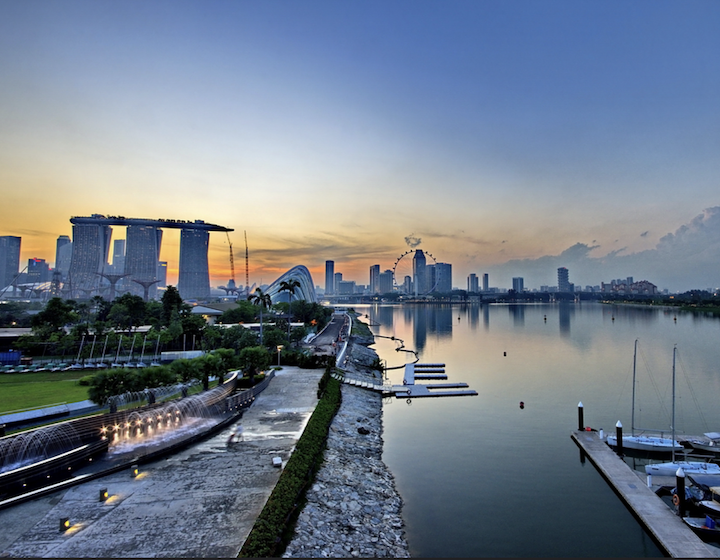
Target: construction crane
{"x": 247, "y": 268}
{"x": 232, "y": 263}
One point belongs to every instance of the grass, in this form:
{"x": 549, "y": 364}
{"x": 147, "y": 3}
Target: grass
{"x": 19, "y": 391}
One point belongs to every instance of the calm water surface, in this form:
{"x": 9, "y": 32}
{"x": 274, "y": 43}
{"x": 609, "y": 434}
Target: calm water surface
{"x": 481, "y": 477}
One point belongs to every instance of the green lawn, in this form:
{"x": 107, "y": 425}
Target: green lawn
{"x": 27, "y": 390}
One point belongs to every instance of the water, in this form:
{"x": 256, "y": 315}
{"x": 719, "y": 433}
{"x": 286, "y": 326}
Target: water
{"x": 482, "y": 477}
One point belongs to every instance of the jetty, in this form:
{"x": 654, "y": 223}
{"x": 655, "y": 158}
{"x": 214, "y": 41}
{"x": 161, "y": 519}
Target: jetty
{"x": 667, "y": 529}
{"x": 412, "y": 390}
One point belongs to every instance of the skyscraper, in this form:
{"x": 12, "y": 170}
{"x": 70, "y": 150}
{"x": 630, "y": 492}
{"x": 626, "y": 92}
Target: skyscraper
{"x": 91, "y": 245}
{"x": 443, "y": 281}
{"x": 329, "y": 277}
{"x": 486, "y": 283}
{"x": 194, "y": 274}
{"x": 142, "y": 256}
{"x": 374, "y": 286}
{"x": 419, "y": 272}
{"x": 63, "y": 255}
{"x": 472, "y": 283}
{"x": 9, "y": 259}
{"x": 518, "y": 284}
{"x": 563, "y": 280}
{"x": 38, "y": 271}
{"x": 385, "y": 282}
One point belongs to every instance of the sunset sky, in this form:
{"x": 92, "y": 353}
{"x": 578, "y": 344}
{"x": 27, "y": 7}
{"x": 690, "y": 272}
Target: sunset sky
{"x": 510, "y": 137}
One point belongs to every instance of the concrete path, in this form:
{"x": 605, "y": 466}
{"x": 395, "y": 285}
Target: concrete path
{"x": 201, "y": 502}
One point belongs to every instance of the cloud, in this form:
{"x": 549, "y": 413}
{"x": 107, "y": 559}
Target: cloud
{"x": 687, "y": 259}
{"x": 412, "y": 241}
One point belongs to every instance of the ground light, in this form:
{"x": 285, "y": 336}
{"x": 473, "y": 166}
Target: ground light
{"x": 64, "y": 523}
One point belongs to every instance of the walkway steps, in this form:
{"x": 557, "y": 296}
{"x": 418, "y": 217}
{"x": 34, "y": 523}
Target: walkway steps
{"x": 667, "y": 529}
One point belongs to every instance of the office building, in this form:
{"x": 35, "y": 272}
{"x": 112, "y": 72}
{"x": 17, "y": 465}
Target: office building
{"x": 385, "y": 282}
{"x": 443, "y": 279}
{"x": 162, "y": 274}
{"x": 518, "y": 284}
{"x": 564, "y": 284}
{"x": 38, "y": 271}
{"x": 374, "y": 286}
{"x": 408, "y": 287}
{"x": 194, "y": 274}
{"x": 329, "y": 278}
{"x": 419, "y": 272}
{"x": 9, "y": 259}
{"x": 345, "y": 287}
{"x": 486, "y": 283}
{"x": 473, "y": 284}
{"x": 63, "y": 255}
{"x": 118, "y": 258}
{"x": 337, "y": 278}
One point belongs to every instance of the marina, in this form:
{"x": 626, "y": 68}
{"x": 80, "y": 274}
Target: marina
{"x": 667, "y": 529}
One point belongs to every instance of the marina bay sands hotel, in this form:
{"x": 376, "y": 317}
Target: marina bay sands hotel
{"x": 90, "y": 273}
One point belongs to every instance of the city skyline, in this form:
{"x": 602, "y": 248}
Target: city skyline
{"x": 505, "y": 139}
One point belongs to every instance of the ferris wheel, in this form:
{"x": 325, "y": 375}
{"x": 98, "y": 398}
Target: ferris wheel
{"x": 404, "y": 277}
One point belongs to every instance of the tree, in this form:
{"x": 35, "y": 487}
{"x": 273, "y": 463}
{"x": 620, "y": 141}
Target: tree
{"x": 57, "y": 314}
{"x": 253, "y": 360}
{"x": 263, "y": 300}
{"x": 243, "y": 313}
{"x": 171, "y": 302}
{"x": 289, "y": 287}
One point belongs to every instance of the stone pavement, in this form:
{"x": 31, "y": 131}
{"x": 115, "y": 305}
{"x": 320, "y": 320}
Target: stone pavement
{"x": 200, "y": 502}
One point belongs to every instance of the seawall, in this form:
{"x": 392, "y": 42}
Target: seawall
{"x": 353, "y": 508}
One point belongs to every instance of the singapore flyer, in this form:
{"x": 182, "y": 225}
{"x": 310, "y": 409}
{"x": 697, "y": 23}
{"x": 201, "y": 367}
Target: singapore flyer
{"x": 415, "y": 272}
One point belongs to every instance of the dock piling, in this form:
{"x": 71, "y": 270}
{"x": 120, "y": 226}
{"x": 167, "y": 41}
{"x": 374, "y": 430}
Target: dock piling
{"x": 618, "y": 433}
{"x": 581, "y": 421}
{"x": 680, "y": 487}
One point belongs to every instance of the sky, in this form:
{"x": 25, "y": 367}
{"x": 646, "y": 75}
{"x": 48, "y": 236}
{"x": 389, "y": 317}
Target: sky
{"x": 509, "y": 138}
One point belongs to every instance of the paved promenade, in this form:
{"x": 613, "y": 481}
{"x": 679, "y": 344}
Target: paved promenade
{"x": 201, "y": 502}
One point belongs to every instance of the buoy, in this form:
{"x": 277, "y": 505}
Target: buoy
{"x": 504, "y": 353}
{"x": 522, "y": 404}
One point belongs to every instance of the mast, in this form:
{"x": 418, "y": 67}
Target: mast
{"x": 673, "y": 405}
{"x": 632, "y": 417}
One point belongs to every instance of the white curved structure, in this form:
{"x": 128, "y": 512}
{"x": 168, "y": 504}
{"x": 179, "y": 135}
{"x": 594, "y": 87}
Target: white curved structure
{"x": 305, "y": 291}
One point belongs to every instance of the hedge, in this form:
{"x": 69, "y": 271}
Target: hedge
{"x": 273, "y": 525}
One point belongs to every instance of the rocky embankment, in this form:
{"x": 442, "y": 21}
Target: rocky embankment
{"x": 353, "y": 509}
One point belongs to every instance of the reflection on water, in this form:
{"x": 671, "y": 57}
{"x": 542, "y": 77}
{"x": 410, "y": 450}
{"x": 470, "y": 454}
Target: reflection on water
{"x": 482, "y": 477}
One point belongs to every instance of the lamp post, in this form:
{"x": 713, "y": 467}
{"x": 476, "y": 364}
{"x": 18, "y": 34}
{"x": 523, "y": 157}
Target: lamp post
{"x": 280, "y": 347}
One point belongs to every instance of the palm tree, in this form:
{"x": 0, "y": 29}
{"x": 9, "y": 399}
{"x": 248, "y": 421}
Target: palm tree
{"x": 289, "y": 287}
{"x": 264, "y": 301}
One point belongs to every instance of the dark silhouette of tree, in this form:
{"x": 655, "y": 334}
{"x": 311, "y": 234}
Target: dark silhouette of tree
{"x": 263, "y": 300}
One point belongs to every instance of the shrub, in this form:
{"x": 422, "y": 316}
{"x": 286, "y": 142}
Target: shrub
{"x": 272, "y": 525}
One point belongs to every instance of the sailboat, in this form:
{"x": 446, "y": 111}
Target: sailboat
{"x": 643, "y": 442}
{"x": 689, "y": 467}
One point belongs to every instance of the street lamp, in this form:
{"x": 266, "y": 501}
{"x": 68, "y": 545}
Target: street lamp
{"x": 280, "y": 347}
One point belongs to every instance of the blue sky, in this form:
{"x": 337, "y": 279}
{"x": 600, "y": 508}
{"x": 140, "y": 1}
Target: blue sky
{"x": 510, "y": 137}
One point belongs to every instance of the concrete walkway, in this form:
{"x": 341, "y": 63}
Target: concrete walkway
{"x": 200, "y": 502}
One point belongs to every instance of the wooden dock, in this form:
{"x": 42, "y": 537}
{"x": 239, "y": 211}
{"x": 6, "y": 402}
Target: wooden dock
{"x": 411, "y": 390}
{"x": 667, "y": 529}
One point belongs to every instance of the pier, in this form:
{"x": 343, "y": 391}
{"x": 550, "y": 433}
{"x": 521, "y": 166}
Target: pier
{"x": 667, "y": 529}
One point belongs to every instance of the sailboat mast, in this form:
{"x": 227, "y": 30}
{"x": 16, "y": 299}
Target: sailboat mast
{"x": 673, "y": 405}
{"x": 632, "y": 417}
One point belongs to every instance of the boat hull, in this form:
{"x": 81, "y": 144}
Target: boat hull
{"x": 688, "y": 467}
{"x": 646, "y": 443}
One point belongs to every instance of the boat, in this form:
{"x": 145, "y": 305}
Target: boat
{"x": 704, "y": 527}
{"x": 641, "y": 442}
{"x": 670, "y": 468}
{"x": 709, "y": 445}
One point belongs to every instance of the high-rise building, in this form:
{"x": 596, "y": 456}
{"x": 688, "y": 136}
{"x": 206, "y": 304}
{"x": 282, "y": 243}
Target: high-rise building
{"x": 337, "y": 278}
{"x": 162, "y": 274}
{"x": 38, "y": 271}
{"x": 419, "y": 272}
{"x": 563, "y": 280}
{"x": 63, "y": 255}
{"x": 385, "y": 282}
{"x": 374, "y": 286}
{"x": 518, "y": 284}
{"x": 194, "y": 273}
{"x": 486, "y": 283}
{"x": 443, "y": 279}
{"x": 118, "y": 259}
{"x": 141, "y": 258}
{"x": 345, "y": 287}
{"x": 9, "y": 259}
{"x": 329, "y": 277}
{"x": 91, "y": 245}
{"x": 472, "y": 283}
